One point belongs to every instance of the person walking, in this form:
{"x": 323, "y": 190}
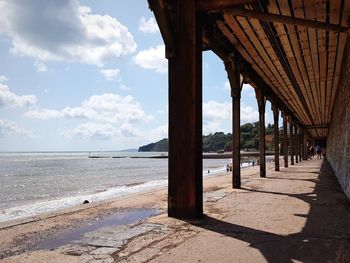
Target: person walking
{"x": 318, "y": 152}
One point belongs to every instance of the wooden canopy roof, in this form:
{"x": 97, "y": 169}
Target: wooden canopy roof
{"x": 294, "y": 47}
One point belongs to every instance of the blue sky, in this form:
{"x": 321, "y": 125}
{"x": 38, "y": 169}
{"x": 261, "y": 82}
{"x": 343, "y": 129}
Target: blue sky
{"x": 91, "y": 75}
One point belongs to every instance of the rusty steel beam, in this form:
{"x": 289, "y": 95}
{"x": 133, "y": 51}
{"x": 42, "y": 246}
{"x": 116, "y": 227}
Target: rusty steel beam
{"x": 157, "y": 8}
{"x": 275, "y": 112}
{"x": 185, "y": 188}
{"x": 292, "y": 141}
{"x": 233, "y": 72}
{"x": 261, "y": 100}
{"x": 301, "y": 145}
{"x": 296, "y": 144}
{"x": 285, "y": 138}
{"x": 285, "y": 19}
{"x": 217, "y": 5}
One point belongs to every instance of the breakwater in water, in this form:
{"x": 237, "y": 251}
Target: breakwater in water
{"x": 227, "y": 155}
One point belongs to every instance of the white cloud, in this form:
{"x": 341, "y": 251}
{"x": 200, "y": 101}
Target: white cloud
{"x": 248, "y": 114}
{"x": 109, "y": 117}
{"x": 248, "y": 90}
{"x": 152, "y": 58}
{"x": 213, "y": 110}
{"x": 108, "y": 107}
{"x": 45, "y": 114}
{"x": 108, "y": 131}
{"x": 111, "y": 74}
{"x": 90, "y": 130}
{"x": 3, "y": 79}
{"x": 63, "y": 30}
{"x": 12, "y": 128}
{"x": 227, "y": 86}
{"x": 148, "y": 25}
{"x": 8, "y": 98}
{"x": 216, "y": 115}
{"x": 40, "y": 66}
{"x": 157, "y": 133}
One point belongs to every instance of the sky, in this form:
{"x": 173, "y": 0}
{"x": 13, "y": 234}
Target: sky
{"x": 92, "y": 76}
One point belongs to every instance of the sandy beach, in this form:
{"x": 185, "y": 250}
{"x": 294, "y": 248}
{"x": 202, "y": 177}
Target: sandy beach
{"x": 23, "y": 235}
{"x": 297, "y": 215}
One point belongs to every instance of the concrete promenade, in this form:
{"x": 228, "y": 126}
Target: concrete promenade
{"x": 297, "y": 215}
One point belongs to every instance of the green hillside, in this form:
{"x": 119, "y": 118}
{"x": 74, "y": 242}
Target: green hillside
{"x": 218, "y": 141}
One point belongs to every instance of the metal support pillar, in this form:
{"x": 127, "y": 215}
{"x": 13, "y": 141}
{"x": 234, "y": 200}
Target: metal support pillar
{"x": 300, "y": 146}
{"x": 233, "y": 73}
{"x": 185, "y": 190}
{"x": 285, "y": 139}
{"x": 275, "y": 111}
{"x": 261, "y": 99}
{"x": 305, "y": 157}
{"x": 296, "y": 143}
{"x": 292, "y": 141}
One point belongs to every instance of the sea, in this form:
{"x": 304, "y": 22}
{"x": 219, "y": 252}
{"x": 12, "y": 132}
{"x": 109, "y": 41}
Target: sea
{"x": 35, "y": 183}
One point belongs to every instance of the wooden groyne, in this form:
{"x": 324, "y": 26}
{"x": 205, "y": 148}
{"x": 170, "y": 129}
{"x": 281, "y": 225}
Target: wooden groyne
{"x": 244, "y": 155}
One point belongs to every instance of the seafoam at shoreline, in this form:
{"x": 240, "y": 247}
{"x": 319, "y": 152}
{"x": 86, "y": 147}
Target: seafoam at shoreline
{"x": 50, "y": 206}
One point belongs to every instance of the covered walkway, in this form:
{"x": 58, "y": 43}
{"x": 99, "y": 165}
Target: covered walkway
{"x": 297, "y": 215}
{"x": 295, "y": 54}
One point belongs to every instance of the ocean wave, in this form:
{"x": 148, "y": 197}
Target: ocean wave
{"x": 50, "y": 206}
{"x": 30, "y": 210}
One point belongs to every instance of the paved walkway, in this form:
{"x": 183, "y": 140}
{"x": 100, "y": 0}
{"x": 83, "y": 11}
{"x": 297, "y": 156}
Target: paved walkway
{"x": 297, "y": 215}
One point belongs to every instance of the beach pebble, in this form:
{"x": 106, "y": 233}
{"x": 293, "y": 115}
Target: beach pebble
{"x": 86, "y": 202}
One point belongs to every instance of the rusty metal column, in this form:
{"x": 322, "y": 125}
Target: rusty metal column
{"x": 296, "y": 140}
{"x": 300, "y": 146}
{"x": 292, "y": 142}
{"x": 185, "y": 190}
{"x": 261, "y": 99}
{"x": 275, "y": 111}
{"x": 285, "y": 139}
{"x": 233, "y": 73}
{"x": 304, "y": 146}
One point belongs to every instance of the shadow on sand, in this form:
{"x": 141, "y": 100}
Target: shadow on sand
{"x": 324, "y": 238}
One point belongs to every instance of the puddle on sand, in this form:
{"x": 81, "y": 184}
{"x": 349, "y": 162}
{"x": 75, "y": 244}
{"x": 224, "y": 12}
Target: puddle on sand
{"x": 116, "y": 219}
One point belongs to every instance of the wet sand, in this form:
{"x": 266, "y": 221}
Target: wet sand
{"x": 20, "y": 236}
{"x": 25, "y": 235}
{"x": 129, "y": 216}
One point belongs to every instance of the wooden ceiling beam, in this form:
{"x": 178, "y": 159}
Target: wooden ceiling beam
{"x": 319, "y": 126}
{"x": 222, "y": 48}
{"x": 286, "y": 66}
{"x": 217, "y": 5}
{"x": 285, "y": 19}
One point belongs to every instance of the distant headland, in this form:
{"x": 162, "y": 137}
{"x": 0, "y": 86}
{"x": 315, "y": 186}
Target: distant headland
{"x": 219, "y": 141}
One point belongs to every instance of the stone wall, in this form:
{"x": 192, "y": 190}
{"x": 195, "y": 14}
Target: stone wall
{"x": 338, "y": 142}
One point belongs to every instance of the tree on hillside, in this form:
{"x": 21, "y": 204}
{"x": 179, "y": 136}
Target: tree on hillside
{"x": 217, "y": 141}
